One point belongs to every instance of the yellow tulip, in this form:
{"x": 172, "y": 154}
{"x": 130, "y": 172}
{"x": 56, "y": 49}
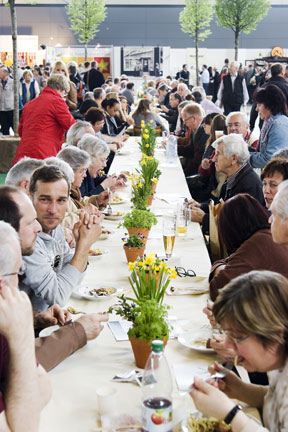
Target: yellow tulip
{"x": 147, "y": 145}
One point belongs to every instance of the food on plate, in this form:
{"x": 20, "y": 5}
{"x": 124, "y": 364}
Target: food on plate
{"x": 114, "y": 214}
{"x": 95, "y": 252}
{"x": 105, "y": 232}
{"x": 101, "y": 292}
{"x": 126, "y": 173}
{"x": 116, "y": 199}
{"x": 201, "y": 342}
{"x": 207, "y": 425}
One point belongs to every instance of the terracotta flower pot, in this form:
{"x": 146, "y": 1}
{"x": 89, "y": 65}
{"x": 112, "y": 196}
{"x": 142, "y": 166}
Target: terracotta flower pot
{"x": 150, "y": 199}
{"x": 143, "y": 231}
{"x": 142, "y": 350}
{"x": 132, "y": 253}
{"x": 154, "y": 186}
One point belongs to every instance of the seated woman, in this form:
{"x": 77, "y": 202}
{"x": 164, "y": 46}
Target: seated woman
{"x": 95, "y": 182}
{"x": 274, "y": 173}
{"x": 112, "y": 108}
{"x": 79, "y": 161}
{"x": 272, "y": 108}
{"x": 252, "y": 310}
{"x": 144, "y": 113}
{"x": 279, "y": 218}
{"x": 245, "y": 232}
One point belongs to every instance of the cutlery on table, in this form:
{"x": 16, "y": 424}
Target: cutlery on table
{"x": 109, "y": 210}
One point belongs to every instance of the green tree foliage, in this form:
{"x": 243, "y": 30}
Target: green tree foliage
{"x": 195, "y": 20}
{"x": 85, "y": 17}
{"x": 240, "y": 16}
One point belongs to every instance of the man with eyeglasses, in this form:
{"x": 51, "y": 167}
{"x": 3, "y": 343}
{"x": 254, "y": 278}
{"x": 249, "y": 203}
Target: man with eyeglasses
{"x": 16, "y": 208}
{"x": 24, "y": 387}
{"x": 192, "y": 115}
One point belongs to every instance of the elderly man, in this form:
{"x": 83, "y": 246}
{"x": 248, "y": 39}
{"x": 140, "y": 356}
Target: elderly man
{"x": 233, "y": 91}
{"x": 53, "y": 270}
{"x": 192, "y": 115}
{"x": 182, "y": 90}
{"x": 237, "y": 122}
{"x": 99, "y": 96}
{"x": 231, "y": 158}
{"x": 77, "y": 130}
{"x": 6, "y": 101}
{"x": 25, "y": 388}
{"x": 16, "y": 208}
{"x": 19, "y": 175}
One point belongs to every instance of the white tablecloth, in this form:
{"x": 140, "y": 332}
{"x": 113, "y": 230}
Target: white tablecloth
{"x": 73, "y": 406}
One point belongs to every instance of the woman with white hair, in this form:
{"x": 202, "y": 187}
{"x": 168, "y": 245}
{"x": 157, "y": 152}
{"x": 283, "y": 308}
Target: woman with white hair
{"x": 95, "y": 182}
{"x": 279, "y": 218}
{"x": 29, "y": 88}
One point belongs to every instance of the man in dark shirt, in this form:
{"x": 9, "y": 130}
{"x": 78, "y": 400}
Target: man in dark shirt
{"x": 93, "y": 77}
{"x": 171, "y": 115}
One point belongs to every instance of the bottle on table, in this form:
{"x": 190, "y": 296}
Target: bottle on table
{"x": 157, "y": 392}
{"x": 171, "y": 150}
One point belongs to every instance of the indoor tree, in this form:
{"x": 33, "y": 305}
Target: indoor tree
{"x": 240, "y": 16}
{"x": 85, "y": 16}
{"x": 195, "y": 20}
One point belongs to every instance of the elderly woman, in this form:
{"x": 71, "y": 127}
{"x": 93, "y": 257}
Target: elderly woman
{"x": 274, "y": 173}
{"x": 29, "y": 88}
{"x": 95, "y": 183}
{"x": 252, "y": 311}
{"x": 71, "y": 96}
{"x": 44, "y": 121}
{"x": 272, "y": 108}
{"x": 144, "y": 113}
{"x": 245, "y": 232}
{"x": 79, "y": 161}
{"x": 279, "y": 218}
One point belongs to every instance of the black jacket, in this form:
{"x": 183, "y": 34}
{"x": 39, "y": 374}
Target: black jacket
{"x": 232, "y": 96}
{"x": 93, "y": 79}
{"x": 194, "y": 151}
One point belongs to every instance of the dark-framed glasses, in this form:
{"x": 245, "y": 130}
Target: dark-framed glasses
{"x": 182, "y": 272}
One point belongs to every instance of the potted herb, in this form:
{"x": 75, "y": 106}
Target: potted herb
{"x": 134, "y": 246}
{"x": 139, "y": 221}
{"x": 149, "y": 281}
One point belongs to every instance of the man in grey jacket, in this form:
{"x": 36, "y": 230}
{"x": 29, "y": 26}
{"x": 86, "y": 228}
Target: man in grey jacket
{"x": 6, "y": 101}
{"x": 53, "y": 271}
{"x": 16, "y": 208}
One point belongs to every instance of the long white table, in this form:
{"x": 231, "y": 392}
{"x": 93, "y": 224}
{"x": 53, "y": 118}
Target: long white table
{"x": 73, "y": 406}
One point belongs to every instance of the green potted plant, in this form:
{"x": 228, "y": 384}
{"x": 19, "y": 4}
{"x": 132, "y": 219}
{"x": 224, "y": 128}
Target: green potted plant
{"x": 141, "y": 190}
{"x": 134, "y": 246}
{"x": 150, "y": 173}
{"x": 139, "y": 221}
{"x": 148, "y": 139}
{"x": 149, "y": 280}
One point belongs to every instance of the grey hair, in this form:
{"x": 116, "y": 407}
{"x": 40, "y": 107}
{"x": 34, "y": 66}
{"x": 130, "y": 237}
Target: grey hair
{"x": 234, "y": 144}
{"x": 7, "y": 254}
{"x": 58, "y": 82}
{"x": 93, "y": 146}
{"x": 282, "y": 153}
{"x": 88, "y": 96}
{"x": 280, "y": 201}
{"x": 63, "y": 166}
{"x": 243, "y": 115}
{"x": 182, "y": 85}
{"x": 22, "y": 170}
{"x": 75, "y": 157}
{"x": 76, "y": 131}
{"x": 201, "y": 90}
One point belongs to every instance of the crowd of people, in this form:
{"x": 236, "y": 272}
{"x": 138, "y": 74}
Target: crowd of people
{"x": 72, "y": 123}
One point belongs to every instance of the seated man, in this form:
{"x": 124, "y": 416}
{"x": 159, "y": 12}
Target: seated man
{"x": 192, "y": 115}
{"x": 77, "y": 130}
{"x": 231, "y": 158}
{"x": 20, "y": 173}
{"x": 171, "y": 115}
{"x": 237, "y": 122}
{"x": 53, "y": 270}
{"x": 16, "y": 208}
{"x": 25, "y": 388}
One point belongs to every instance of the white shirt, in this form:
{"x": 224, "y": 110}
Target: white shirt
{"x": 205, "y": 77}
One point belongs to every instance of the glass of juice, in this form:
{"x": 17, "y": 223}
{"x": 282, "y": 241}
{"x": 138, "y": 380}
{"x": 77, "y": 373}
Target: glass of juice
{"x": 169, "y": 232}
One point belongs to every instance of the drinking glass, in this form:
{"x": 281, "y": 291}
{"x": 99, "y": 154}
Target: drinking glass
{"x": 183, "y": 220}
{"x": 169, "y": 232}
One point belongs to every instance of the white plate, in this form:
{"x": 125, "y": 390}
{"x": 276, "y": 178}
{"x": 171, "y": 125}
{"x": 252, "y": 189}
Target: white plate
{"x": 123, "y": 152}
{"x": 197, "y": 414}
{"x": 95, "y": 257}
{"x": 83, "y": 292}
{"x": 104, "y": 236}
{"x": 113, "y": 217}
{"x": 123, "y": 200}
{"x": 191, "y": 340}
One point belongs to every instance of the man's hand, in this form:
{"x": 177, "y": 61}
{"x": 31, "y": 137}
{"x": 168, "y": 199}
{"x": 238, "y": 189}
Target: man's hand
{"x": 51, "y": 316}
{"x": 16, "y": 318}
{"x": 103, "y": 198}
{"x": 92, "y": 324}
{"x": 164, "y": 108}
{"x": 113, "y": 147}
{"x": 205, "y": 164}
{"x": 193, "y": 203}
{"x": 91, "y": 209}
{"x": 69, "y": 237}
{"x": 197, "y": 214}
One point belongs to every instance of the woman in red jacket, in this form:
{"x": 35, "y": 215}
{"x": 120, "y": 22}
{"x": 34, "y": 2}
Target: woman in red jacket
{"x": 44, "y": 121}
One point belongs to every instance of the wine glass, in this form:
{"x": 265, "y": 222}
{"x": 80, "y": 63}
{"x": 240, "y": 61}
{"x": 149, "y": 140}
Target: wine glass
{"x": 169, "y": 232}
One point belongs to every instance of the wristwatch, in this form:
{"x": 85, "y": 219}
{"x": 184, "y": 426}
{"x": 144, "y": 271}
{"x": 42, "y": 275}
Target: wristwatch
{"x": 230, "y": 416}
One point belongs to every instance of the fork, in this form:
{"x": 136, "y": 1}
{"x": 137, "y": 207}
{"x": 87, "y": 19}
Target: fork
{"x": 109, "y": 210}
{"x": 216, "y": 376}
